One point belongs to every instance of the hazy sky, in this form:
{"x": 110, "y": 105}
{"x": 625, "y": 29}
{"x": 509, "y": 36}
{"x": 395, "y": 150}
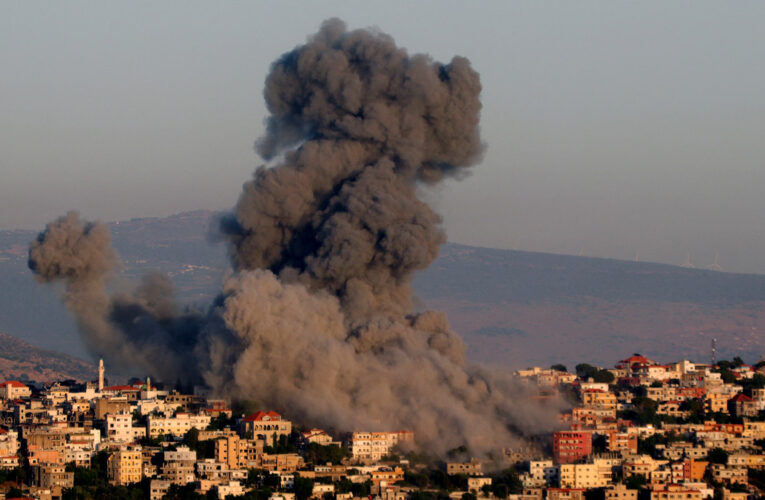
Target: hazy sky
{"x": 611, "y": 127}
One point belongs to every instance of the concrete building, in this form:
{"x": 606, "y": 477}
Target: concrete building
{"x": 13, "y": 389}
{"x": 119, "y": 429}
{"x": 236, "y": 452}
{"x": 176, "y": 426}
{"x": 125, "y": 466}
{"x": 179, "y": 465}
{"x": 53, "y": 477}
{"x": 620, "y": 492}
{"x": 372, "y": 446}
{"x": 267, "y": 426}
{"x": 570, "y": 446}
{"x": 675, "y": 492}
{"x": 471, "y": 468}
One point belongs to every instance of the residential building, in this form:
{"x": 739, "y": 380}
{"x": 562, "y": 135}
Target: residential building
{"x": 176, "y": 426}
{"x": 570, "y": 446}
{"x": 372, "y": 446}
{"x": 125, "y": 466}
{"x": 266, "y": 426}
{"x": 13, "y": 389}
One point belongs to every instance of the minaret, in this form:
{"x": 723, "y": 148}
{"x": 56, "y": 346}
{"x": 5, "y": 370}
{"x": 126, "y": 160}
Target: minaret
{"x": 148, "y": 383}
{"x": 100, "y": 375}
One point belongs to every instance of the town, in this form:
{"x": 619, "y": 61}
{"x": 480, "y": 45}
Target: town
{"x": 640, "y": 430}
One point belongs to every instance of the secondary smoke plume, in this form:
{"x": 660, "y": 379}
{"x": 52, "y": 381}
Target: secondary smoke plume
{"x": 316, "y": 318}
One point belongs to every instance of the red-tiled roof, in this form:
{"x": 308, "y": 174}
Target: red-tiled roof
{"x": 636, "y": 359}
{"x": 12, "y": 383}
{"x": 740, "y": 397}
{"x": 261, "y": 415}
{"x": 120, "y": 388}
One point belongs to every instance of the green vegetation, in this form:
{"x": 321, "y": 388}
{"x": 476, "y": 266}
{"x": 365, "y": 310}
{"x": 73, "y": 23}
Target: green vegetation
{"x": 220, "y": 422}
{"x": 92, "y": 483}
{"x": 643, "y": 412}
{"x": 717, "y": 456}
{"x": 281, "y": 445}
{"x": 204, "y": 449}
{"x": 303, "y": 487}
{"x": 636, "y": 482}
{"x": 586, "y": 371}
{"x": 318, "y": 454}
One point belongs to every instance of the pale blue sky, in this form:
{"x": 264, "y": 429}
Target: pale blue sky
{"x": 612, "y": 127}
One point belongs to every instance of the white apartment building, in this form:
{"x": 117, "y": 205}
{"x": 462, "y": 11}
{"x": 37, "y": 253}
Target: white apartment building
{"x": 119, "y": 429}
{"x": 176, "y": 426}
{"x": 372, "y": 446}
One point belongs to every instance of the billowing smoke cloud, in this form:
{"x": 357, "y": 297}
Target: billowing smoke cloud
{"x": 316, "y": 318}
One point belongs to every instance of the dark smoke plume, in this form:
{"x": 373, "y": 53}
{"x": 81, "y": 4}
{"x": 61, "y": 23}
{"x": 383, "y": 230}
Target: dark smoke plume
{"x": 317, "y": 317}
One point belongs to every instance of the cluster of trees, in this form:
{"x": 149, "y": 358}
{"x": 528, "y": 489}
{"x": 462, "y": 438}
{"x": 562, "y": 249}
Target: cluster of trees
{"x": 503, "y": 484}
{"x": 586, "y": 371}
{"x": 92, "y": 483}
{"x": 319, "y": 454}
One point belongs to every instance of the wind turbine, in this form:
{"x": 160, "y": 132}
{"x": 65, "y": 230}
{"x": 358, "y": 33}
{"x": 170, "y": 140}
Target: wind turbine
{"x": 714, "y": 266}
{"x": 688, "y": 264}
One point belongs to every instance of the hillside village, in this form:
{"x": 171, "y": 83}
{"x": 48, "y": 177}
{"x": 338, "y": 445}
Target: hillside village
{"x": 640, "y": 430}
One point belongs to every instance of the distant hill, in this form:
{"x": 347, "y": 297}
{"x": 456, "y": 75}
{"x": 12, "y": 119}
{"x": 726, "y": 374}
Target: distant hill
{"x": 523, "y": 308}
{"x": 22, "y": 361}
{"x": 513, "y": 308}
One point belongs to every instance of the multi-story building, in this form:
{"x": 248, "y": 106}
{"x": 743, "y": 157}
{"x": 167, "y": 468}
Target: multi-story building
{"x": 742, "y": 405}
{"x": 119, "y": 429}
{"x": 570, "y": 446}
{"x": 593, "y": 398}
{"x": 13, "y": 389}
{"x": 124, "y": 467}
{"x": 179, "y": 465}
{"x": 236, "y": 452}
{"x": 317, "y": 436}
{"x": 675, "y": 492}
{"x": 176, "y": 426}
{"x": 372, "y": 446}
{"x": 471, "y": 468}
{"x": 266, "y": 426}
{"x": 543, "y": 472}
{"x": 113, "y": 406}
{"x": 584, "y": 476}
{"x": 54, "y": 477}
{"x": 620, "y": 492}
{"x": 622, "y": 442}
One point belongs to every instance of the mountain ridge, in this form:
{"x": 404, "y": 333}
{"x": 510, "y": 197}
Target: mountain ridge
{"x": 511, "y": 307}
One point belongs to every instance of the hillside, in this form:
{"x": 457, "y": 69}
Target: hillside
{"x": 22, "y": 361}
{"x": 511, "y": 307}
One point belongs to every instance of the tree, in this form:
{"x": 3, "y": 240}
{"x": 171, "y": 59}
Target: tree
{"x": 717, "y": 456}
{"x": 599, "y": 443}
{"x": 499, "y": 490}
{"x": 603, "y": 376}
{"x": 585, "y": 370}
{"x": 559, "y": 367}
{"x": 219, "y": 423}
{"x": 468, "y": 496}
{"x": 636, "y": 482}
{"x": 510, "y": 479}
{"x": 14, "y": 492}
{"x": 595, "y": 494}
{"x": 362, "y": 489}
{"x": 303, "y": 487}
{"x": 727, "y": 376}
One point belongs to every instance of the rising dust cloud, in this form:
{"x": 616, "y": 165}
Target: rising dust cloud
{"x": 316, "y": 317}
